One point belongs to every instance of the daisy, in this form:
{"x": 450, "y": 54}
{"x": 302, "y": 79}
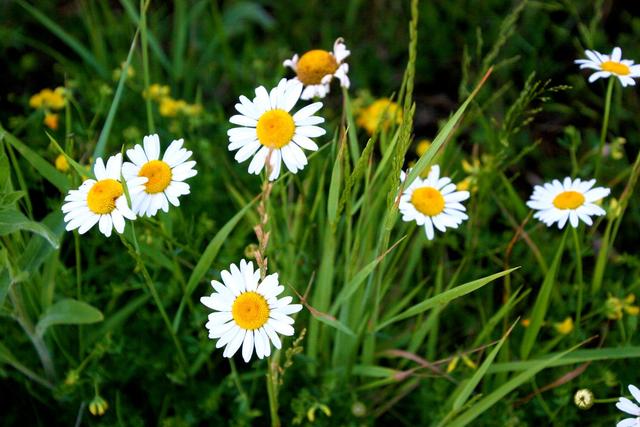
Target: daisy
{"x": 626, "y": 405}
{"x": 165, "y": 177}
{"x": 102, "y": 200}
{"x": 567, "y": 200}
{"x": 433, "y": 202}
{"x": 248, "y": 313}
{"x": 607, "y": 66}
{"x": 268, "y": 130}
{"x": 317, "y": 67}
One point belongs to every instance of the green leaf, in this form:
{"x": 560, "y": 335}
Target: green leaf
{"x": 334, "y": 323}
{"x": 491, "y": 399}
{"x": 69, "y": 40}
{"x": 12, "y": 220}
{"x": 334, "y": 187}
{"x": 468, "y": 386}
{"x": 68, "y": 312}
{"x": 445, "y": 297}
{"x": 204, "y": 263}
{"x": 542, "y": 302}
{"x": 43, "y": 167}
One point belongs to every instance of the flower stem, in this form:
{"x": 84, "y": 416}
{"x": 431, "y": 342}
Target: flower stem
{"x": 578, "y": 255}
{"x": 605, "y": 126}
{"x": 272, "y": 388}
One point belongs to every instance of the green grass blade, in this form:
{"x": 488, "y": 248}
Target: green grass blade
{"x": 69, "y": 40}
{"x": 542, "y": 302}
{"x": 12, "y": 220}
{"x": 445, "y": 297}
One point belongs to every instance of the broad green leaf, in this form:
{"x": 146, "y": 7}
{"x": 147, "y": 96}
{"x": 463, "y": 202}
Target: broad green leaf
{"x": 204, "y": 263}
{"x": 12, "y": 220}
{"x": 68, "y": 312}
{"x": 444, "y": 297}
{"x": 542, "y": 302}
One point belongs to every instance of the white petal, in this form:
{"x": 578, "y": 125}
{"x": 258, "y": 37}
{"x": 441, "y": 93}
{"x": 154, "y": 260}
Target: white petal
{"x": 152, "y": 146}
{"x": 247, "y": 346}
{"x": 307, "y": 111}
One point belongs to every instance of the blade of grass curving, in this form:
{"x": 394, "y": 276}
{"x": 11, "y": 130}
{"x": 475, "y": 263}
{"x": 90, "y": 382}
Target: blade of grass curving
{"x": 491, "y": 399}
{"x": 207, "y": 258}
{"x": 542, "y": 302}
{"x": 80, "y": 170}
{"x": 445, "y": 297}
{"x": 44, "y": 168}
{"x": 106, "y": 130}
{"x": 74, "y": 44}
{"x": 466, "y": 388}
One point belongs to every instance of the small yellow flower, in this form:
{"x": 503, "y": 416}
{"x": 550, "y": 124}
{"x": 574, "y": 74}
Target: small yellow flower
{"x": 61, "y": 163}
{"x": 422, "y": 147}
{"x": 156, "y": 92}
{"x": 98, "y": 406}
{"x": 382, "y": 112}
{"x": 170, "y": 107}
{"x": 525, "y": 322}
{"x": 565, "y": 327}
{"x": 193, "y": 110}
{"x": 465, "y": 184}
{"x": 615, "y": 210}
{"x": 49, "y": 99}
{"x": 131, "y": 72}
{"x": 453, "y": 364}
{"x": 51, "y": 120}
{"x": 615, "y": 307}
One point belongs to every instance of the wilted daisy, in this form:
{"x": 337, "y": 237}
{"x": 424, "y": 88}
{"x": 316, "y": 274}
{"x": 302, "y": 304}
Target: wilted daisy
{"x": 626, "y": 405}
{"x": 571, "y": 200}
{"x": 610, "y": 65}
{"x": 102, "y": 200}
{"x": 165, "y": 177}
{"x": 316, "y": 68}
{"x": 269, "y": 130}
{"x": 247, "y": 312}
{"x": 433, "y": 202}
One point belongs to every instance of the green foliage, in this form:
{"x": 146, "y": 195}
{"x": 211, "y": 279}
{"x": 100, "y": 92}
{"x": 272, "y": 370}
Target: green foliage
{"x": 397, "y": 329}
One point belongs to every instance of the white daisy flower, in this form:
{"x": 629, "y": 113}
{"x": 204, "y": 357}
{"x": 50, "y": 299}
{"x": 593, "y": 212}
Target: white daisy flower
{"x": 101, "y": 200}
{"x": 316, "y": 68}
{"x": 610, "y": 65}
{"x": 270, "y": 131}
{"x": 248, "y": 313}
{"x": 165, "y": 177}
{"x": 626, "y": 405}
{"x": 568, "y": 200}
{"x": 433, "y": 202}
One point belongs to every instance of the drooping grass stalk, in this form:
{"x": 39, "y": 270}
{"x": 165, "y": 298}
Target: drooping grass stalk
{"x": 578, "y": 256}
{"x": 145, "y": 64}
{"x": 605, "y": 126}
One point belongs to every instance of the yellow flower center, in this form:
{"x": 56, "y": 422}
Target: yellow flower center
{"x": 250, "y": 310}
{"x": 275, "y": 128}
{"x": 568, "y": 200}
{"x": 314, "y": 65}
{"x": 428, "y": 200}
{"x": 102, "y": 196}
{"x": 615, "y": 68}
{"x": 158, "y": 174}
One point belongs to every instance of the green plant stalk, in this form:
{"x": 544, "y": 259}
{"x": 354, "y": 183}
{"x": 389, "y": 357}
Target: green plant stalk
{"x": 145, "y": 64}
{"x": 76, "y": 242}
{"x": 578, "y": 255}
{"x": 605, "y": 126}
{"x": 272, "y": 388}
{"x": 135, "y": 254}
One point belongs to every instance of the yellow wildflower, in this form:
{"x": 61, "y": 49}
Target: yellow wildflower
{"x": 525, "y": 322}
{"x": 51, "y": 120}
{"x": 565, "y": 327}
{"x": 170, "y": 107}
{"x": 465, "y": 184}
{"x": 61, "y": 163}
{"x": 156, "y": 92}
{"x": 615, "y": 307}
{"x": 383, "y": 112}
{"x": 422, "y": 147}
{"x": 131, "y": 72}
{"x": 49, "y": 99}
{"x": 453, "y": 363}
{"x": 98, "y": 406}
{"x": 193, "y": 110}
